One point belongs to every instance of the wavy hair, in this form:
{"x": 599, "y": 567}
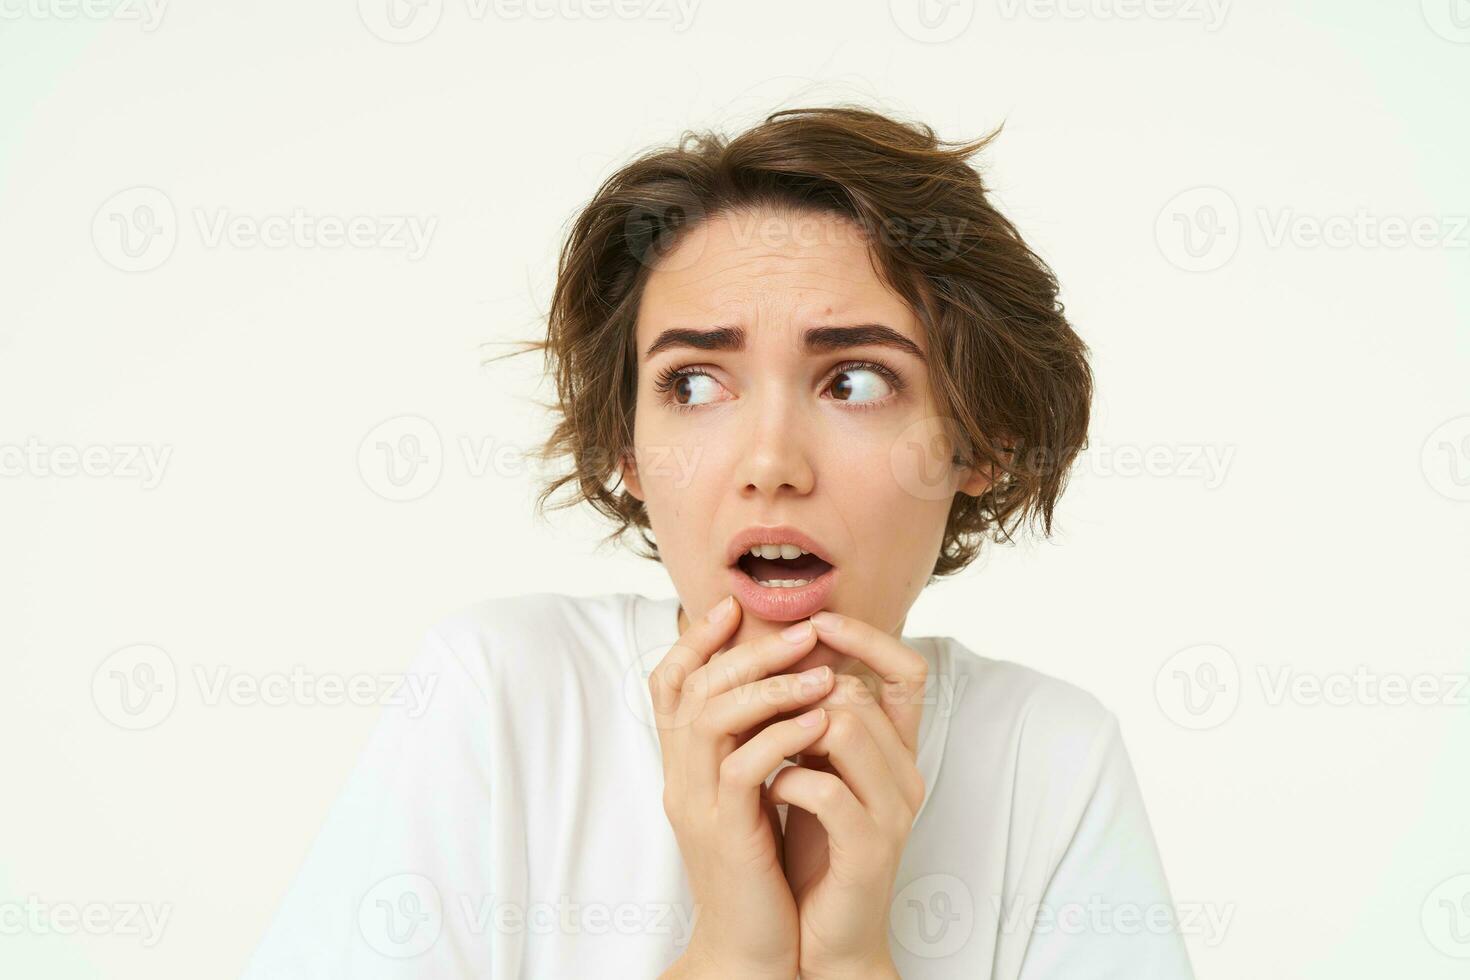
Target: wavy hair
{"x": 1009, "y": 376}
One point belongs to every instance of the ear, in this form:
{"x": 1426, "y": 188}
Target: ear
{"x": 628, "y": 466}
{"x": 974, "y": 482}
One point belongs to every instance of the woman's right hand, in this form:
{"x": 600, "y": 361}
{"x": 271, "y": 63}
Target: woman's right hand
{"x": 746, "y": 924}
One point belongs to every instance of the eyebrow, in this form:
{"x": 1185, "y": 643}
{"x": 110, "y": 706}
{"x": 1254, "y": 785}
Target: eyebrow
{"x": 816, "y": 340}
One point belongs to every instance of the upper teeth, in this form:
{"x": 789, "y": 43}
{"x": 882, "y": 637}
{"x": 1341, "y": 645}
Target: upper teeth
{"x": 787, "y": 551}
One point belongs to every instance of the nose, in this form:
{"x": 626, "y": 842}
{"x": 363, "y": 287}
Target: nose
{"x": 774, "y": 456}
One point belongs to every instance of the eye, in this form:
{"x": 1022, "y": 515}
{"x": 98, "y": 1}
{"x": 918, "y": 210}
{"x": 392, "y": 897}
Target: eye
{"x": 863, "y": 383}
{"x": 683, "y": 388}
{"x": 688, "y": 388}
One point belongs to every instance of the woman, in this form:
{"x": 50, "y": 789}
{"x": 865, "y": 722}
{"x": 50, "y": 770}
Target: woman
{"x": 819, "y": 367}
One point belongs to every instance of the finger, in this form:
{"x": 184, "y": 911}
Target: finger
{"x": 855, "y": 756}
{"x": 738, "y": 710}
{"x": 753, "y": 660}
{"x": 744, "y": 771}
{"x": 853, "y": 694}
{"x": 720, "y": 726}
{"x": 690, "y": 652}
{"x": 902, "y": 670}
{"x": 827, "y": 798}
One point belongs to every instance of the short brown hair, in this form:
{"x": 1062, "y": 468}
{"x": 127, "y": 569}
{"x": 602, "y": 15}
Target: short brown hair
{"x": 1008, "y": 374}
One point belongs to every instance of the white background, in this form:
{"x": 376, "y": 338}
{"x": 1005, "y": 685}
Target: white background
{"x": 1325, "y": 544}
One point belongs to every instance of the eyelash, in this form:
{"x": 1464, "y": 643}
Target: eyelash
{"x": 666, "y": 379}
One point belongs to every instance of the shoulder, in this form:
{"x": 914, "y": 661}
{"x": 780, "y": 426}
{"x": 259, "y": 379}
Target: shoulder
{"x": 1037, "y": 710}
{"x": 1037, "y": 745}
{"x": 534, "y": 636}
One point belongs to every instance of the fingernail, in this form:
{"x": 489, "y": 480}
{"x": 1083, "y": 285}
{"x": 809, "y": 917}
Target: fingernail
{"x": 827, "y": 622}
{"x": 813, "y": 680}
{"x": 811, "y": 719}
{"x": 797, "y": 632}
{"x": 722, "y": 609}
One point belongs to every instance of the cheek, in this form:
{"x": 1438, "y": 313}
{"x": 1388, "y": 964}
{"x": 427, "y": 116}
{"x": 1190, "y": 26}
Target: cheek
{"x": 895, "y": 494}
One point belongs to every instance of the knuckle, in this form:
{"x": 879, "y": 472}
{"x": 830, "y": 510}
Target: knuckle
{"x": 828, "y": 790}
{"x": 732, "y": 771}
{"x": 917, "y": 790}
{"x": 843, "y": 727}
{"x": 848, "y": 688}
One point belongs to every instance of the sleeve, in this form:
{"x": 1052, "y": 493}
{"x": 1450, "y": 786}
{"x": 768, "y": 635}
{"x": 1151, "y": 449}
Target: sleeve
{"x": 1107, "y": 911}
{"x": 390, "y": 885}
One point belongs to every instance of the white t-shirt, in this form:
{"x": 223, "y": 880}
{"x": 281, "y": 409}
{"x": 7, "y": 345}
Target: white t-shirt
{"x": 513, "y": 825}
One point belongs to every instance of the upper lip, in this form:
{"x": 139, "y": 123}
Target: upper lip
{"x": 774, "y": 534}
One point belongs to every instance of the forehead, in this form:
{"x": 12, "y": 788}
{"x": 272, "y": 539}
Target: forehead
{"x": 770, "y": 270}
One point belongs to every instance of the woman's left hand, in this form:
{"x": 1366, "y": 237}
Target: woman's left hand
{"x": 854, "y": 794}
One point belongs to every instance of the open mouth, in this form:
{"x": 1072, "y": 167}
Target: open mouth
{"x": 782, "y": 566}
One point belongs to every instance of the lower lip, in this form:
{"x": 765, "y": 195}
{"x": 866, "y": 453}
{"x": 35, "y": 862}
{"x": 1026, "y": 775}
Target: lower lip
{"x": 782, "y": 605}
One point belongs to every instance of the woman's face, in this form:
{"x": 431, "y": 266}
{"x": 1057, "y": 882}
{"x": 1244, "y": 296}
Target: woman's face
{"x": 759, "y": 424}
